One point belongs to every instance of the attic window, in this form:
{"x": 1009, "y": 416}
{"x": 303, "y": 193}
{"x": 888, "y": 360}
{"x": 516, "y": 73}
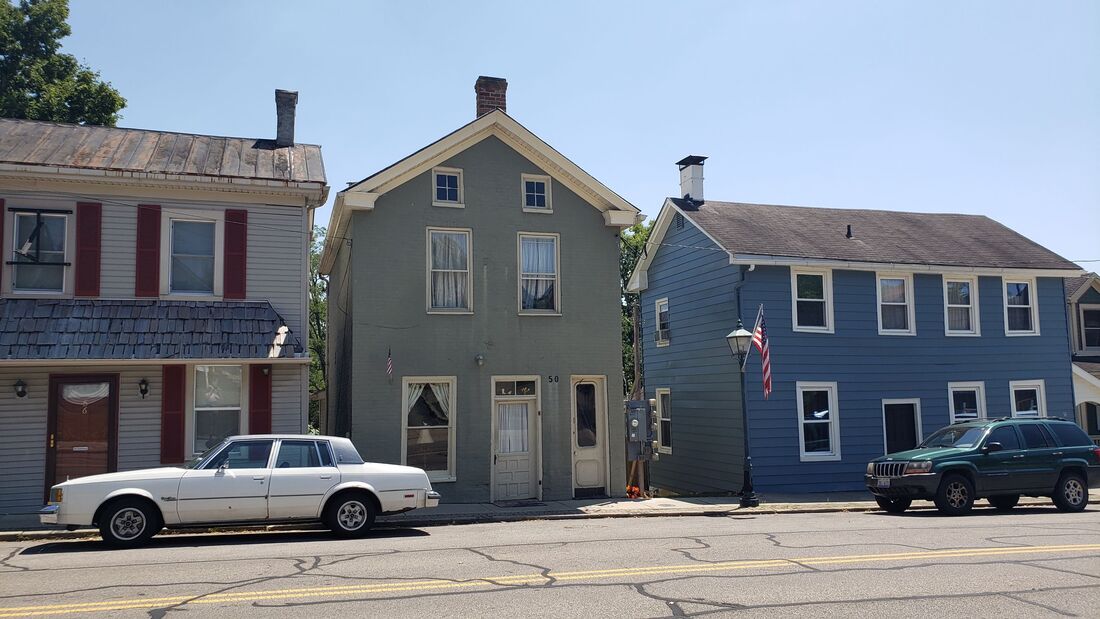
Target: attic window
{"x": 679, "y": 221}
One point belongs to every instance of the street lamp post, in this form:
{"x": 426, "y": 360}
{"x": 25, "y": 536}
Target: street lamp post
{"x": 739, "y": 341}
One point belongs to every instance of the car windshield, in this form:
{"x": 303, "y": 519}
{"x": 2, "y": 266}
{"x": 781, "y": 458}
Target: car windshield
{"x": 197, "y": 461}
{"x": 952, "y": 436}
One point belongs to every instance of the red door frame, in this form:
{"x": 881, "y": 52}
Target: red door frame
{"x": 51, "y": 424}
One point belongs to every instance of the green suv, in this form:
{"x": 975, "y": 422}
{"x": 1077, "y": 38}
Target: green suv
{"x": 997, "y": 459}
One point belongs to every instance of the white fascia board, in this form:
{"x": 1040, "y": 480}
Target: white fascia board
{"x": 903, "y": 267}
{"x": 346, "y": 202}
{"x": 620, "y": 219}
{"x": 1094, "y": 282}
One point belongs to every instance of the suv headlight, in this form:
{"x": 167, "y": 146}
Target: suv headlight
{"x": 870, "y": 468}
{"x": 918, "y": 468}
{"x": 56, "y": 494}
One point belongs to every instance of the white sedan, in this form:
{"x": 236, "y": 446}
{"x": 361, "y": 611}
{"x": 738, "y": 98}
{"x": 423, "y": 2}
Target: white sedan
{"x": 245, "y": 479}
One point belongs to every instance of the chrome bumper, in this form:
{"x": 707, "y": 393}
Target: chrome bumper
{"x": 48, "y": 514}
{"x": 431, "y": 499}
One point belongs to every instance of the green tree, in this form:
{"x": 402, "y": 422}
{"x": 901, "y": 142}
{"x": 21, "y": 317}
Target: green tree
{"x": 38, "y": 82}
{"x": 318, "y": 327}
{"x": 632, "y": 243}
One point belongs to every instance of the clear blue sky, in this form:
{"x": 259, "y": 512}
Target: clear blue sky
{"x": 975, "y": 107}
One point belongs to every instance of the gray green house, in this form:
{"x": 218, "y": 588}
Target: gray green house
{"x": 474, "y": 322}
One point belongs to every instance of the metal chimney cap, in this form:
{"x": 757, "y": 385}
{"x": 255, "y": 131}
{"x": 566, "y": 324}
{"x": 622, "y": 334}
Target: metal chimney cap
{"x": 691, "y": 160}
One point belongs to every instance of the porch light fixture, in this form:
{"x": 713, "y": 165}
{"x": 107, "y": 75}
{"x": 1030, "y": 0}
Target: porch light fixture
{"x": 479, "y": 359}
{"x": 739, "y": 340}
{"x": 20, "y": 388}
{"x": 143, "y": 388}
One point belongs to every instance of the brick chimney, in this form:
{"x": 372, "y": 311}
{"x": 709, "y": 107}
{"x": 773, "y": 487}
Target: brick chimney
{"x": 285, "y": 103}
{"x": 491, "y": 94}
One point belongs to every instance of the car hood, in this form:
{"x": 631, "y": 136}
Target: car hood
{"x": 168, "y": 472}
{"x": 925, "y": 453}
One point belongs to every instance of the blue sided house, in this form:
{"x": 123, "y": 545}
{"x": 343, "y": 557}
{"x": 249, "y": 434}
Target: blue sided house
{"x": 883, "y": 327}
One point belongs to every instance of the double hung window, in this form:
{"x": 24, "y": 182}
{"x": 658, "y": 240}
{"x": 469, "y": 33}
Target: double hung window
{"x": 449, "y": 285}
{"x": 218, "y": 396}
{"x": 664, "y": 426}
{"x": 895, "y": 305}
{"x": 663, "y": 327}
{"x": 38, "y": 252}
{"x": 539, "y": 276}
{"x": 961, "y": 306}
{"x": 811, "y": 293}
{"x": 819, "y": 426}
{"x": 192, "y": 261}
{"x": 1028, "y": 398}
{"x": 967, "y": 401}
{"x": 428, "y": 420}
{"x": 1021, "y": 316}
{"x": 1090, "y": 327}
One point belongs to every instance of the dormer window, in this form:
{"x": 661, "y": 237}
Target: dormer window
{"x": 38, "y": 251}
{"x": 447, "y": 187}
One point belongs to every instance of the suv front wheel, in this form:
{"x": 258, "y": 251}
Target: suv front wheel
{"x": 1071, "y": 494}
{"x": 955, "y": 495}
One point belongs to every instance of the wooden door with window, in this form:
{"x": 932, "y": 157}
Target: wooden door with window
{"x": 83, "y": 426}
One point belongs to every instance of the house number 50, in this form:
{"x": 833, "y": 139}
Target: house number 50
{"x": 551, "y": 379}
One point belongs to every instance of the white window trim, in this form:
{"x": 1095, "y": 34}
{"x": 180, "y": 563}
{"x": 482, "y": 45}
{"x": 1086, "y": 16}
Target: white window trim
{"x": 541, "y": 178}
{"x": 1080, "y": 344}
{"x": 1033, "y": 292}
{"x": 977, "y": 386}
{"x": 1038, "y": 385}
{"x": 657, "y": 320}
{"x": 557, "y": 274}
{"x": 435, "y": 476}
{"x": 834, "y": 422}
{"x": 189, "y": 402}
{"x": 469, "y": 272}
{"x": 461, "y": 190}
{"x": 916, "y": 406}
{"x": 827, "y": 285}
{"x": 975, "y": 314}
{"x": 218, "y": 218}
{"x": 910, "y": 303}
{"x": 7, "y": 245}
{"x": 660, "y": 417}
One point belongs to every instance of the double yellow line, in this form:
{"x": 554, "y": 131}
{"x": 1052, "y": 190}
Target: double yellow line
{"x": 524, "y": 579}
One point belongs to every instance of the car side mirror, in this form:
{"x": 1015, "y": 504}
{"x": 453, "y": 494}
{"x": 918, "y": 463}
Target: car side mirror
{"x": 224, "y": 465}
{"x": 991, "y": 447}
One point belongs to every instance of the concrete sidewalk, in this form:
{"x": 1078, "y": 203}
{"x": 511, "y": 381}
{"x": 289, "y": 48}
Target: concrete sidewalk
{"x": 471, "y": 513}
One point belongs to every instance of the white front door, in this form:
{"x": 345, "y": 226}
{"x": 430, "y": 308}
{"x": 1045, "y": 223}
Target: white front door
{"x": 233, "y": 492}
{"x": 589, "y": 437}
{"x": 513, "y": 448}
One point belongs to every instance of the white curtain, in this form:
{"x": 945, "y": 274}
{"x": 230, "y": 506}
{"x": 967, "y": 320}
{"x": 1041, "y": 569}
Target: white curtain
{"x": 539, "y": 268}
{"x": 512, "y": 428}
{"x": 85, "y": 394}
{"x": 450, "y": 270}
{"x": 415, "y": 390}
{"x": 442, "y": 393}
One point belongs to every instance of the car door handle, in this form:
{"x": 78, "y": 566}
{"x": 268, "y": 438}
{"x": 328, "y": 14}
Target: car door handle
{"x": 326, "y": 477}
{"x": 1018, "y": 457}
{"x": 1057, "y": 453}
{"x": 258, "y": 477}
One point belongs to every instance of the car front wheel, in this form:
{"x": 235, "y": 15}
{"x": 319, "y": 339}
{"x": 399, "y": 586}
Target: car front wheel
{"x": 1004, "y": 502}
{"x": 894, "y": 506}
{"x": 350, "y": 514}
{"x": 128, "y": 522}
{"x": 1071, "y": 494}
{"x": 955, "y": 495}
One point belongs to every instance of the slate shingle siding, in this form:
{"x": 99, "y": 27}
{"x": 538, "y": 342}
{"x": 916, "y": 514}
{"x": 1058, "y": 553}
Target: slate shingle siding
{"x": 92, "y": 329}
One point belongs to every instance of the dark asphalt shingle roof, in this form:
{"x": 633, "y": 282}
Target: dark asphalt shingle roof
{"x": 877, "y": 236}
{"x": 29, "y": 142}
{"x": 1091, "y": 368}
{"x": 1073, "y": 284}
{"x": 140, "y": 329}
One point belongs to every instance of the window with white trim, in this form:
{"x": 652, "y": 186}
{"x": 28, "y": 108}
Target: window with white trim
{"x": 39, "y": 252}
{"x": 662, "y": 334}
{"x": 1090, "y": 327}
{"x": 960, "y": 313}
{"x": 895, "y": 305}
{"x": 966, "y": 401}
{"x": 664, "y": 423}
{"x": 1028, "y": 398}
{"x": 539, "y": 276}
{"x": 217, "y": 407}
{"x": 1021, "y": 315}
{"x": 811, "y": 301}
{"x": 428, "y": 425}
{"x": 536, "y": 193}
{"x": 192, "y": 253}
{"x": 449, "y": 280}
{"x": 447, "y": 187}
{"x": 818, "y": 421}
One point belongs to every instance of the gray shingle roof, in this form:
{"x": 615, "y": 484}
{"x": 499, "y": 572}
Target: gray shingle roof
{"x": 1091, "y": 368}
{"x": 138, "y": 329}
{"x": 29, "y": 142}
{"x": 1073, "y": 284}
{"x": 877, "y": 236}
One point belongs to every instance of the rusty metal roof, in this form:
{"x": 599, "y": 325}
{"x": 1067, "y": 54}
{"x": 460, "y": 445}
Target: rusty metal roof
{"x": 29, "y": 142}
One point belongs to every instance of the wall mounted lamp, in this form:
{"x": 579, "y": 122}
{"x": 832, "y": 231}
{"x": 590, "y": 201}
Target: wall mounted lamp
{"x": 20, "y": 388}
{"x": 479, "y": 359}
{"x": 143, "y": 388}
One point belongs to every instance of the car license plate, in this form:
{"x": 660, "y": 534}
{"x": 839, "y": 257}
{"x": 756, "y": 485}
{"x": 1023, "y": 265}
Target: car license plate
{"x": 882, "y": 482}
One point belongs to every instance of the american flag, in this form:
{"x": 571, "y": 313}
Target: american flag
{"x": 389, "y": 363}
{"x": 760, "y": 340}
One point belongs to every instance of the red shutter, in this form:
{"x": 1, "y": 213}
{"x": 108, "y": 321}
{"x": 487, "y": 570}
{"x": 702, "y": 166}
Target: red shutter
{"x": 147, "y": 273}
{"x": 236, "y": 254}
{"x": 172, "y": 413}
{"x": 89, "y": 222}
{"x": 259, "y": 399}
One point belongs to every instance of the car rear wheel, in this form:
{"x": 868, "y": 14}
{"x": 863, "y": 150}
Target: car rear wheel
{"x": 894, "y": 506}
{"x": 350, "y": 514}
{"x": 1004, "y": 502}
{"x": 129, "y": 522}
{"x": 955, "y": 496}
{"x": 1071, "y": 494}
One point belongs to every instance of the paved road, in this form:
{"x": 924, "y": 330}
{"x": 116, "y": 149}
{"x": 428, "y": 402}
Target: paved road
{"x": 1035, "y": 562}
